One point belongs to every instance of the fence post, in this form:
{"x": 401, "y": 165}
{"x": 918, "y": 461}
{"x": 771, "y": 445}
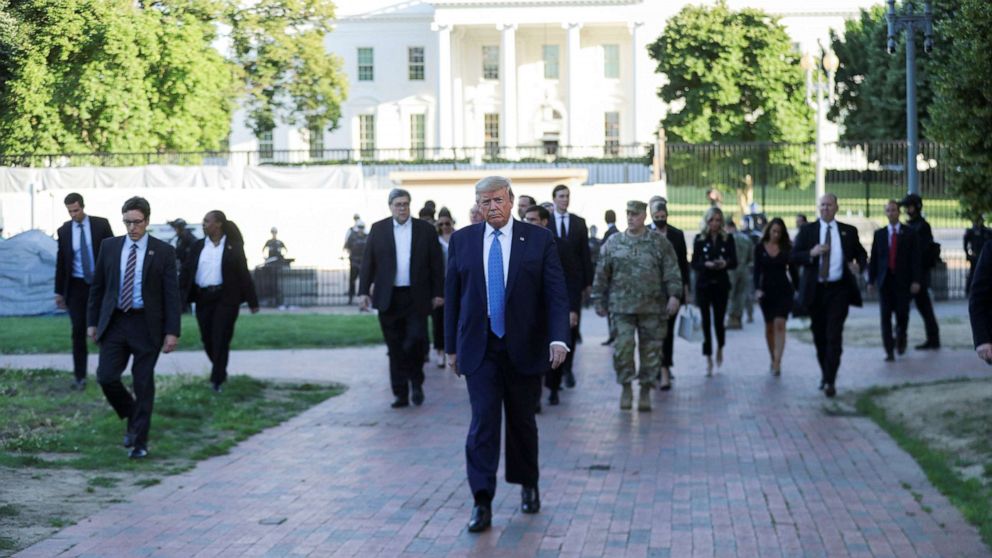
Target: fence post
{"x": 867, "y": 178}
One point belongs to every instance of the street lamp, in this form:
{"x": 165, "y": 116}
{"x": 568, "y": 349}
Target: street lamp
{"x": 910, "y": 21}
{"x": 828, "y": 65}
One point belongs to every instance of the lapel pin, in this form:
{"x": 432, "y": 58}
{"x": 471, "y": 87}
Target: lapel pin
{"x": 521, "y": 239}
{"x": 151, "y": 252}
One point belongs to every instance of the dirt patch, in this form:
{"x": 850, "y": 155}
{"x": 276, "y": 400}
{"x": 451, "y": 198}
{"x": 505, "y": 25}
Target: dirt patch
{"x": 955, "y": 417}
{"x": 38, "y": 502}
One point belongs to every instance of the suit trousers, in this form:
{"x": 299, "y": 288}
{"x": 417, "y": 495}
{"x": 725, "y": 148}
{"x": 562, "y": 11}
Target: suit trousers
{"x": 77, "y": 299}
{"x": 891, "y": 301}
{"x": 669, "y": 344}
{"x": 925, "y": 306}
{"x": 828, "y": 313}
{"x": 405, "y": 332}
{"x": 216, "y": 320}
{"x": 126, "y": 336}
{"x": 496, "y": 388}
{"x": 713, "y": 296}
{"x": 553, "y": 377}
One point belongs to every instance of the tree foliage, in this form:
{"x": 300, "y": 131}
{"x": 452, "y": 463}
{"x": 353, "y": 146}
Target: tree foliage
{"x": 85, "y": 76}
{"x": 871, "y": 83}
{"x": 732, "y": 76}
{"x": 961, "y": 112}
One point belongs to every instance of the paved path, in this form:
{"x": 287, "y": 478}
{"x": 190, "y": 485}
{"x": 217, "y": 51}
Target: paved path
{"x": 741, "y": 464}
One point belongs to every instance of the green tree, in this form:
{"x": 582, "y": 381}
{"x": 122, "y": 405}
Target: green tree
{"x": 289, "y": 75}
{"x": 871, "y": 83}
{"x": 961, "y": 112}
{"x": 732, "y": 76}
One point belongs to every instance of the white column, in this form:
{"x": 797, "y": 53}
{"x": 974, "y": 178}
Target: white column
{"x": 572, "y": 106}
{"x": 635, "y": 85}
{"x": 508, "y": 80}
{"x": 443, "y": 121}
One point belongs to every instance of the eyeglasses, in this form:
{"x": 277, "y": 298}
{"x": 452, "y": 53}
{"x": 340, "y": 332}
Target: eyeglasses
{"x": 130, "y": 223}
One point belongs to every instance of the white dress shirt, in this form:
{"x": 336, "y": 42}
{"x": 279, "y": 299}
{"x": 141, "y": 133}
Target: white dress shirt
{"x": 142, "y": 243}
{"x": 403, "y": 238}
{"x": 836, "y": 250}
{"x": 559, "y": 219}
{"x": 208, "y": 269}
{"x": 77, "y": 255}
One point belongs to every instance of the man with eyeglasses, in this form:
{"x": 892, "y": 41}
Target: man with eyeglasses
{"x": 403, "y": 270}
{"x": 134, "y": 310}
{"x": 79, "y": 241}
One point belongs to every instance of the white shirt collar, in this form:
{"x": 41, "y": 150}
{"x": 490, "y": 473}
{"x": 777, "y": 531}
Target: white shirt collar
{"x": 142, "y": 242}
{"x": 396, "y": 224}
{"x": 506, "y": 229}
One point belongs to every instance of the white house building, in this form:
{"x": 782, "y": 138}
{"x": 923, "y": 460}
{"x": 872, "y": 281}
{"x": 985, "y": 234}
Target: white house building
{"x": 505, "y": 78}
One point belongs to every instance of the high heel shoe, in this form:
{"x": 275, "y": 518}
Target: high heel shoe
{"x": 709, "y": 365}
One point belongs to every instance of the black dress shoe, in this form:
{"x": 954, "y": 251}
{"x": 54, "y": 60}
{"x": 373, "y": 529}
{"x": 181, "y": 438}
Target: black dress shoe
{"x": 890, "y": 358}
{"x": 928, "y": 346}
{"x": 417, "y": 396}
{"x": 400, "y": 403}
{"x": 830, "y": 391}
{"x": 666, "y": 387}
{"x": 79, "y": 385}
{"x": 608, "y": 342}
{"x": 553, "y": 398}
{"x": 569, "y": 379}
{"x": 482, "y": 518}
{"x": 216, "y": 387}
{"x": 530, "y": 500}
{"x": 138, "y": 453}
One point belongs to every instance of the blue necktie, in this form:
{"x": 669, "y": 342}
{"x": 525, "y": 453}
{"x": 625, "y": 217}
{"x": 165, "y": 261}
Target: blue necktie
{"x": 497, "y": 291}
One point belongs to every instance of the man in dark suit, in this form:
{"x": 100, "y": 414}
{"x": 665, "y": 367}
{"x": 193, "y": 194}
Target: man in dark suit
{"x": 830, "y": 255}
{"x": 930, "y": 256}
{"x": 134, "y": 310}
{"x": 659, "y": 217}
{"x": 506, "y": 318}
{"x": 537, "y": 215}
{"x": 403, "y": 269}
{"x": 572, "y": 228}
{"x": 980, "y": 306}
{"x": 79, "y": 241}
{"x": 895, "y": 271}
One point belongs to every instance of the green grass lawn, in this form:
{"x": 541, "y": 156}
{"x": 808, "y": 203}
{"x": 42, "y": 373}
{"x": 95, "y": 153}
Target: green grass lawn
{"x": 46, "y": 426}
{"x": 51, "y": 334}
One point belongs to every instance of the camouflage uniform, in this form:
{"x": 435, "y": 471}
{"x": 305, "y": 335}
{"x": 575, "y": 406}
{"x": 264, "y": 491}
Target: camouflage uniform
{"x": 639, "y": 273}
{"x": 740, "y": 279}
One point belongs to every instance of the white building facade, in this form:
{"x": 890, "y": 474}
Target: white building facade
{"x": 505, "y": 79}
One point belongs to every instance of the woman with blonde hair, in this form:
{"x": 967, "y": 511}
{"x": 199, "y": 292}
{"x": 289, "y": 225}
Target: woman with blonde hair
{"x": 713, "y": 253}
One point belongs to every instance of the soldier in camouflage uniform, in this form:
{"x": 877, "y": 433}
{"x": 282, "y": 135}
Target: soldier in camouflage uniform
{"x": 640, "y": 272}
{"x": 740, "y": 278}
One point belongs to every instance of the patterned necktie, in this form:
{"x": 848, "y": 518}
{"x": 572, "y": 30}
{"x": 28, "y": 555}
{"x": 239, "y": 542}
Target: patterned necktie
{"x": 84, "y": 255}
{"x": 825, "y": 257}
{"x": 563, "y": 234}
{"x": 497, "y": 319}
{"x": 127, "y": 288}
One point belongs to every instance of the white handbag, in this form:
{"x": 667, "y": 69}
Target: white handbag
{"x": 690, "y": 325}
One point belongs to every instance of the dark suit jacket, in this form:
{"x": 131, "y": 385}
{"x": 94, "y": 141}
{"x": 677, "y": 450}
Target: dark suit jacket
{"x": 159, "y": 288}
{"x": 99, "y": 231}
{"x": 379, "y": 265}
{"x": 980, "y": 300}
{"x": 677, "y": 238}
{"x": 578, "y": 240}
{"x": 909, "y": 263}
{"x": 237, "y": 285}
{"x": 536, "y": 298}
{"x": 808, "y": 237}
{"x": 573, "y": 273}
{"x": 704, "y": 249}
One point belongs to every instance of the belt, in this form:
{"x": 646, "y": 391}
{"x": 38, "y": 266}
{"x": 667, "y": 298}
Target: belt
{"x": 131, "y": 312}
{"x": 211, "y": 289}
{"x": 401, "y": 288}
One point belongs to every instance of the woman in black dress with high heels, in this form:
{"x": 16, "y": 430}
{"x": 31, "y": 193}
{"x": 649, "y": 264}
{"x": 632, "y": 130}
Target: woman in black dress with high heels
{"x": 773, "y": 287}
{"x": 713, "y": 253}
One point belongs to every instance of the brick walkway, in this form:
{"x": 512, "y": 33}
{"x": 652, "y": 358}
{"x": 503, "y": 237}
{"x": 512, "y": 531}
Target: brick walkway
{"x": 741, "y": 464}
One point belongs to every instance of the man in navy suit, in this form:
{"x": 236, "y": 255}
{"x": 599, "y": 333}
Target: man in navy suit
{"x": 79, "y": 247}
{"x": 896, "y": 272}
{"x": 830, "y": 256}
{"x": 506, "y": 317}
{"x": 134, "y": 310}
{"x": 572, "y": 229}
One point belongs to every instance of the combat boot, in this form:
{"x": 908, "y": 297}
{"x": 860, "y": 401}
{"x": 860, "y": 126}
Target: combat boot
{"x": 626, "y": 397}
{"x": 644, "y": 402}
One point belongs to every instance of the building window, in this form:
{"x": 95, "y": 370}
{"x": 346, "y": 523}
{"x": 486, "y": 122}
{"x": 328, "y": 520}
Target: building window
{"x": 366, "y": 65}
{"x": 415, "y": 58}
{"x": 490, "y": 62}
{"x": 611, "y": 130}
{"x": 418, "y": 134}
{"x": 266, "y": 150}
{"x": 550, "y": 61}
{"x": 366, "y": 135}
{"x": 611, "y": 61}
{"x": 316, "y": 137}
{"x": 492, "y": 134}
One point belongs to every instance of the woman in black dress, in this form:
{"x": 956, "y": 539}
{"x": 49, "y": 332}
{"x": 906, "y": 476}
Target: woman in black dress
{"x": 773, "y": 287}
{"x": 713, "y": 253}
